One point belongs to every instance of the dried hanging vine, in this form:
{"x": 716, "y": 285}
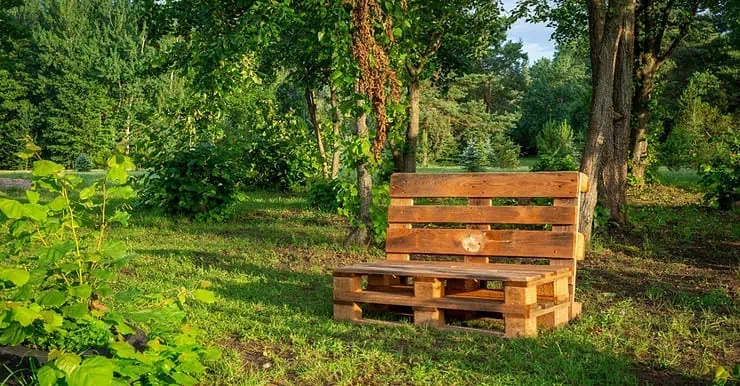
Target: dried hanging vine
{"x": 375, "y": 69}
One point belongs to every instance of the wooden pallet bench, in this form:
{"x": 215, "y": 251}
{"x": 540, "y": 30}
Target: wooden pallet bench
{"x": 434, "y": 266}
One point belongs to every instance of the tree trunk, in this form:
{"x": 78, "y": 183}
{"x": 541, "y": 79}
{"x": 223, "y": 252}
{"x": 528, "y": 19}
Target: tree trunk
{"x": 425, "y": 148}
{"x": 641, "y": 103}
{"x": 412, "y": 134}
{"x": 361, "y": 234}
{"x": 310, "y": 94}
{"x": 337, "y": 123}
{"x": 613, "y": 189}
{"x": 605, "y": 30}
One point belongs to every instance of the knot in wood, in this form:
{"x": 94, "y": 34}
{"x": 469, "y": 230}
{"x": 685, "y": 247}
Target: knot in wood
{"x": 473, "y": 242}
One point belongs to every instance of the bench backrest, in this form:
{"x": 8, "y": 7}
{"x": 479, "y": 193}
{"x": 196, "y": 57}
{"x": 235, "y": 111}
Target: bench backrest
{"x": 409, "y": 231}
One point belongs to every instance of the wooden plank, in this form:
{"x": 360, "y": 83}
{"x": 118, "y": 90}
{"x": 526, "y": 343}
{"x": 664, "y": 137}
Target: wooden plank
{"x": 448, "y": 270}
{"x": 509, "y": 243}
{"x": 555, "y": 215}
{"x": 448, "y": 303}
{"x": 485, "y": 185}
{"x": 478, "y": 204}
{"x": 399, "y": 203}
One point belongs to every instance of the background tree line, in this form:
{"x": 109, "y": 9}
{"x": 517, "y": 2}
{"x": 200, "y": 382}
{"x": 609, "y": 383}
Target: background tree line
{"x": 285, "y": 95}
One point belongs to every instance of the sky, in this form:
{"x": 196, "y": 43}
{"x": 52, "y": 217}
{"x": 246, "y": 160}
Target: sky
{"x": 536, "y": 37}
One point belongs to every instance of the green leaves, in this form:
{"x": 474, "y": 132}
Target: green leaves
{"x": 46, "y": 168}
{"x": 204, "y": 296}
{"x": 25, "y": 316}
{"x": 33, "y": 196}
{"x": 11, "y": 208}
{"x": 16, "y": 276}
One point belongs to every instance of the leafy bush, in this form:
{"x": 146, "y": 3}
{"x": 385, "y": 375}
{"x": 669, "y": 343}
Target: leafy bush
{"x": 721, "y": 176}
{"x": 82, "y": 163}
{"x": 474, "y": 157}
{"x": 55, "y": 271}
{"x": 555, "y": 148}
{"x": 200, "y": 183}
{"x": 323, "y": 194}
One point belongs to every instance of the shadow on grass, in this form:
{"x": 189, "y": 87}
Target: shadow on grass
{"x": 285, "y": 303}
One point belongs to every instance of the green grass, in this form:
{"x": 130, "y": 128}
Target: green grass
{"x": 661, "y": 301}
{"x": 656, "y": 308}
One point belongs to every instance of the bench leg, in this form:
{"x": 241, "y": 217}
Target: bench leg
{"x": 558, "y": 291}
{"x": 574, "y": 309}
{"x": 347, "y": 310}
{"x": 520, "y": 325}
{"x": 428, "y": 288}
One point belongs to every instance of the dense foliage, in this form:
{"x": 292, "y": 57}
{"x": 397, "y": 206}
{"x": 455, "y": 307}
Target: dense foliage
{"x": 58, "y": 264}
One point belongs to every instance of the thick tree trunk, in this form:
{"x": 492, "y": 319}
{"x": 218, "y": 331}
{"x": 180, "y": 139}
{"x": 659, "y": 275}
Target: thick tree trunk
{"x": 605, "y": 30}
{"x": 412, "y": 133}
{"x": 641, "y": 103}
{"x": 361, "y": 234}
{"x": 613, "y": 189}
{"x": 310, "y": 94}
{"x": 337, "y": 123}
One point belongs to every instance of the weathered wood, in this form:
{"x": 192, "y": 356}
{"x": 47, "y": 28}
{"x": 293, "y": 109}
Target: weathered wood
{"x": 559, "y": 316}
{"x": 520, "y": 325}
{"x": 478, "y": 204}
{"x": 346, "y": 310}
{"x": 399, "y": 203}
{"x": 456, "y": 270}
{"x": 485, "y": 185}
{"x": 510, "y": 243}
{"x": 580, "y": 245}
{"x": 483, "y": 215}
{"x": 428, "y": 288}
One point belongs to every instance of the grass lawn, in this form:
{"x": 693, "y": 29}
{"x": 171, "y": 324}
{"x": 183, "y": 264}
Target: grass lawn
{"x": 661, "y": 301}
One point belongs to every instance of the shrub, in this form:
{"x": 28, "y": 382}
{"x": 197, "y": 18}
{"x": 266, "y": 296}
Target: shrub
{"x": 323, "y": 194}
{"x": 200, "y": 183}
{"x": 82, "y": 163}
{"x": 721, "y": 176}
{"x": 474, "y": 157}
{"x": 55, "y": 268}
{"x": 504, "y": 152}
{"x": 555, "y": 148}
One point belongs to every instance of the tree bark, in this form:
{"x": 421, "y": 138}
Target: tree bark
{"x": 605, "y": 31}
{"x": 613, "y": 187}
{"x": 412, "y": 133}
{"x": 643, "y": 93}
{"x": 360, "y": 235}
{"x": 337, "y": 123}
{"x": 310, "y": 94}
{"x": 425, "y": 145}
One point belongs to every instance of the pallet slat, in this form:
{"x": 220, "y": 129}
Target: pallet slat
{"x": 444, "y": 270}
{"x": 463, "y": 242}
{"x": 487, "y": 185}
{"x": 483, "y": 214}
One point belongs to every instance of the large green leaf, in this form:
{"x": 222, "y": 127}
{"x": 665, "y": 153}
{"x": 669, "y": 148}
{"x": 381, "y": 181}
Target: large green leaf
{"x": 16, "y": 276}
{"x": 82, "y": 291}
{"x": 24, "y": 316}
{"x": 47, "y": 376}
{"x": 13, "y": 335}
{"x": 75, "y": 311}
{"x": 33, "y": 196}
{"x": 46, "y": 168}
{"x": 88, "y": 192}
{"x": 35, "y": 211}
{"x": 68, "y": 362}
{"x": 204, "y": 296}
{"x": 11, "y": 208}
{"x": 117, "y": 174}
{"x": 95, "y": 371}
{"x": 58, "y": 204}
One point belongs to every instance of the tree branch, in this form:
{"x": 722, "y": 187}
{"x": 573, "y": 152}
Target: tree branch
{"x": 683, "y": 32}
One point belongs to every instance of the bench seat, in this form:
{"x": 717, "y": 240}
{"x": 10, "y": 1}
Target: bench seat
{"x": 524, "y": 274}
